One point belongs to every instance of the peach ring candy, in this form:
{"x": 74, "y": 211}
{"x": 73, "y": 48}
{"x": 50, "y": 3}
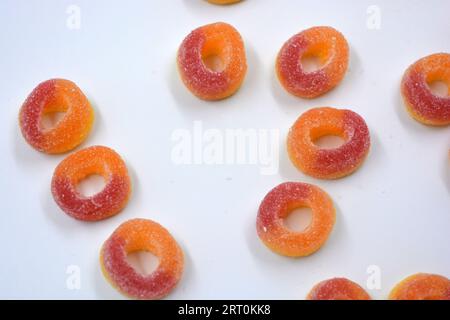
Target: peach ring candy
{"x": 73, "y": 169}
{"x": 424, "y": 105}
{"x": 337, "y": 289}
{"x": 49, "y": 97}
{"x": 279, "y": 203}
{"x": 422, "y": 286}
{"x": 142, "y": 235}
{"x": 328, "y": 46}
{"x": 212, "y": 62}
{"x": 328, "y": 163}
{"x": 223, "y": 1}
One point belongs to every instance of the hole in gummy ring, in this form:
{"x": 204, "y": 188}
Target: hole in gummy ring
{"x": 298, "y": 219}
{"x": 439, "y": 88}
{"x": 311, "y": 63}
{"x": 329, "y": 142}
{"x": 51, "y": 119}
{"x": 143, "y": 262}
{"x": 214, "y": 63}
{"x": 91, "y": 185}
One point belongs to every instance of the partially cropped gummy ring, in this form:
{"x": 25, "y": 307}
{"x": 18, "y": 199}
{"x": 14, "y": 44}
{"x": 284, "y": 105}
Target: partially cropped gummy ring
{"x": 337, "y": 289}
{"x": 277, "y": 205}
{"x": 56, "y": 95}
{"x": 220, "y": 40}
{"x": 420, "y": 101}
{"x": 95, "y": 160}
{"x": 328, "y": 163}
{"x": 142, "y": 235}
{"x": 422, "y": 286}
{"x": 325, "y": 43}
{"x": 223, "y": 1}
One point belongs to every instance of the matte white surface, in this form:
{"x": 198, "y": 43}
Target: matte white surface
{"x": 393, "y": 212}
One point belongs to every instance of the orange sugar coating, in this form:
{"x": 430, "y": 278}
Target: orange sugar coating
{"x": 142, "y": 235}
{"x": 277, "y": 205}
{"x": 223, "y": 1}
{"x": 325, "y": 43}
{"x": 56, "y": 95}
{"x": 337, "y": 289}
{"x": 95, "y": 160}
{"x": 422, "y": 286}
{"x": 420, "y": 101}
{"x": 328, "y": 163}
{"x": 219, "y": 40}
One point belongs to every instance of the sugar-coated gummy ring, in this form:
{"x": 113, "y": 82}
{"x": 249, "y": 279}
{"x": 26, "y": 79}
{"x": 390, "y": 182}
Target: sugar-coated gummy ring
{"x": 337, "y": 289}
{"x": 420, "y": 101}
{"x": 214, "y": 40}
{"x": 277, "y": 205}
{"x": 325, "y": 43}
{"x": 56, "y": 95}
{"x": 223, "y": 1}
{"x": 328, "y": 163}
{"x": 142, "y": 235}
{"x": 422, "y": 286}
{"x": 95, "y": 160}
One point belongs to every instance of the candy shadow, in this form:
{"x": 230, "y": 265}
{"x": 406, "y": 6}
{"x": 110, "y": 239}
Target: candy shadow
{"x": 446, "y": 171}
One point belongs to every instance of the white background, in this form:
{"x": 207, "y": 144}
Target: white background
{"x": 393, "y": 212}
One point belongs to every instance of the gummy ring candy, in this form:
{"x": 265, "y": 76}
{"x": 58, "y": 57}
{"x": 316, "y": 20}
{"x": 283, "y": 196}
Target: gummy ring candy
{"x": 142, "y": 235}
{"x": 98, "y": 160}
{"x": 422, "y": 286}
{"x": 223, "y": 1}
{"x": 214, "y": 40}
{"x": 277, "y": 205}
{"x": 420, "y": 101}
{"x": 56, "y": 95}
{"x": 328, "y": 163}
{"x": 325, "y": 43}
{"x": 337, "y": 289}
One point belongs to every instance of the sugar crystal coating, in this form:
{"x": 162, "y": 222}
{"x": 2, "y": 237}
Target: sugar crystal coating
{"x": 277, "y": 205}
{"x": 420, "y": 101}
{"x": 98, "y": 160}
{"x": 326, "y": 43}
{"x": 56, "y": 95}
{"x": 328, "y": 163}
{"x": 422, "y": 286}
{"x": 217, "y": 39}
{"x": 337, "y": 289}
{"x": 142, "y": 235}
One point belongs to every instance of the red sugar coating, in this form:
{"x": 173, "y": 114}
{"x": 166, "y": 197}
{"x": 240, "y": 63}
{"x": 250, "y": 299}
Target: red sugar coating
{"x": 328, "y": 45}
{"x": 56, "y": 95}
{"x": 422, "y": 286}
{"x": 217, "y": 39}
{"x": 277, "y": 205}
{"x": 421, "y": 102}
{"x": 337, "y": 289}
{"x": 142, "y": 235}
{"x": 81, "y": 164}
{"x": 328, "y": 163}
